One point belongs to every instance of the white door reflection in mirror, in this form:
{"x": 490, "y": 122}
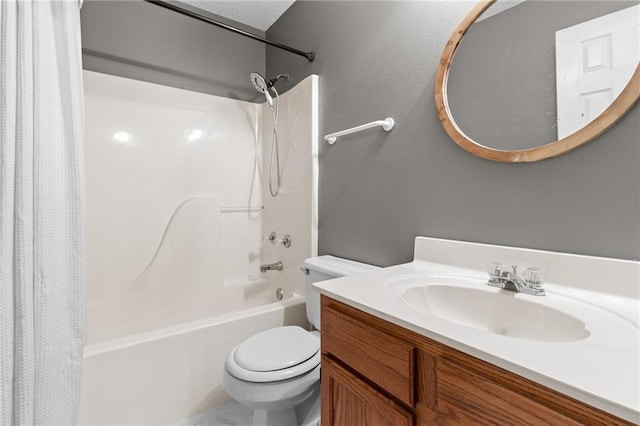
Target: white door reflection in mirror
{"x": 594, "y": 62}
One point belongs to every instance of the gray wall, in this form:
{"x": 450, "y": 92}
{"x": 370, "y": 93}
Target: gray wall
{"x": 508, "y": 58}
{"x": 142, "y": 41}
{"x": 378, "y": 191}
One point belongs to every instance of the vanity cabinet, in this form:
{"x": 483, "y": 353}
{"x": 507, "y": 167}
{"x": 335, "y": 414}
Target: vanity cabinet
{"x": 377, "y": 373}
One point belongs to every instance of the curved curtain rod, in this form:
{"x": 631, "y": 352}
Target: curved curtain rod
{"x": 309, "y": 55}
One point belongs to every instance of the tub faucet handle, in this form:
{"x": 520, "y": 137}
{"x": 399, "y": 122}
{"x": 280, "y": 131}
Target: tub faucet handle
{"x": 285, "y": 240}
{"x": 273, "y": 238}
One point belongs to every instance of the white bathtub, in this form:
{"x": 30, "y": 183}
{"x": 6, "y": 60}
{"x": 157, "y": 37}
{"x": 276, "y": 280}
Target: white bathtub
{"x": 165, "y": 375}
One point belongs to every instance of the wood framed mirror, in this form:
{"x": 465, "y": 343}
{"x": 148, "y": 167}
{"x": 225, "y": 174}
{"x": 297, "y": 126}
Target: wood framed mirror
{"x": 555, "y": 145}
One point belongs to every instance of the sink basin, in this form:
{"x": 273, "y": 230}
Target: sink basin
{"x": 469, "y": 302}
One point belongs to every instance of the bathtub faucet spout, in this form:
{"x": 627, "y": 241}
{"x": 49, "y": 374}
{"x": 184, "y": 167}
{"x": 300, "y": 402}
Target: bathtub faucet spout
{"x": 271, "y": 267}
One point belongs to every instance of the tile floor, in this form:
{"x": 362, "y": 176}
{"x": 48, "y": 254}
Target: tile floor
{"x": 229, "y": 414}
{"x": 234, "y": 414}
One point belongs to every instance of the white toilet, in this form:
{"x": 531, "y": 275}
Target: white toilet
{"x": 277, "y": 372}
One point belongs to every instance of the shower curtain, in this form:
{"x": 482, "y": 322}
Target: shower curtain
{"x": 41, "y": 212}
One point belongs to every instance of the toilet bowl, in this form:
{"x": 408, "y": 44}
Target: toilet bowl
{"x": 277, "y": 372}
{"x": 273, "y": 372}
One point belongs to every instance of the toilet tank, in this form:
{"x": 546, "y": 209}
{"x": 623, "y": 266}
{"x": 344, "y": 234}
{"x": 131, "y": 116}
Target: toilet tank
{"x": 325, "y": 268}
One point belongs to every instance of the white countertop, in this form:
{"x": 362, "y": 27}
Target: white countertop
{"x": 602, "y": 370}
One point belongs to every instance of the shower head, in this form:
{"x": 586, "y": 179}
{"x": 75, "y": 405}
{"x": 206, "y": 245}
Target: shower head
{"x": 261, "y": 86}
{"x": 258, "y": 82}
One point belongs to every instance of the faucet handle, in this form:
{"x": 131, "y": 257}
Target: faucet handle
{"x": 533, "y": 276}
{"x": 495, "y": 270}
{"x": 272, "y": 237}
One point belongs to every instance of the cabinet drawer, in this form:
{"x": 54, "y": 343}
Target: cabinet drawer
{"x": 465, "y": 397}
{"x": 382, "y": 358}
{"x": 348, "y": 401}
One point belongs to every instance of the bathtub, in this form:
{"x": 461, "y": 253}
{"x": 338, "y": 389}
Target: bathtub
{"x": 163, "y": 375}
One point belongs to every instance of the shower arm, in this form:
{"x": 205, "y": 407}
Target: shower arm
{"x": 309, "y": 55}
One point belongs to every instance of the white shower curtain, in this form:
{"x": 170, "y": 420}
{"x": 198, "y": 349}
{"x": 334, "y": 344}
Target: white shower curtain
{"x": 41, "y": 212}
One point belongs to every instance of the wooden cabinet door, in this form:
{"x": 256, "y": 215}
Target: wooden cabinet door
{"x": 349, "y": 401}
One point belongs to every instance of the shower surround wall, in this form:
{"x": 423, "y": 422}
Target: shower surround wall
{"x": 171, "y": 176}
{"x": 174, "y": 240}
{"x": 294, "y": 210}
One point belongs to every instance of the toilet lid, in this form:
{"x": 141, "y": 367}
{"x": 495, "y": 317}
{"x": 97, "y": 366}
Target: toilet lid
{"x": 276, "y": 349}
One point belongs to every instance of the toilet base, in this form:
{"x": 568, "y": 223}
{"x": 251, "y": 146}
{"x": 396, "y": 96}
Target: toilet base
{"x": 281, "y": 403}
{"x": 305, "y": 414}
{"x": 309, "y": 411}
{"x": 282, "y": 418}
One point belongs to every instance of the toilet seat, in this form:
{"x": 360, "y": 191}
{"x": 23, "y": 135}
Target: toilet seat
{"x": 277, "y": 354}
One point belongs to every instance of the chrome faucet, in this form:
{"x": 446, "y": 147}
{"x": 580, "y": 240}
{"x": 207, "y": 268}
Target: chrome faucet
{"x": 530, "y": 283}
{"x": 271, "y": 267}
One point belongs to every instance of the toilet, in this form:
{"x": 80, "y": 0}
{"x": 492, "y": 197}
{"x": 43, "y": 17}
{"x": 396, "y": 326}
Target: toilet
{"x": 277, "y": 372}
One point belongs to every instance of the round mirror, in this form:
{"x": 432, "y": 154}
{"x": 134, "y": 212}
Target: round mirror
{"x": 528, "y": 80}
